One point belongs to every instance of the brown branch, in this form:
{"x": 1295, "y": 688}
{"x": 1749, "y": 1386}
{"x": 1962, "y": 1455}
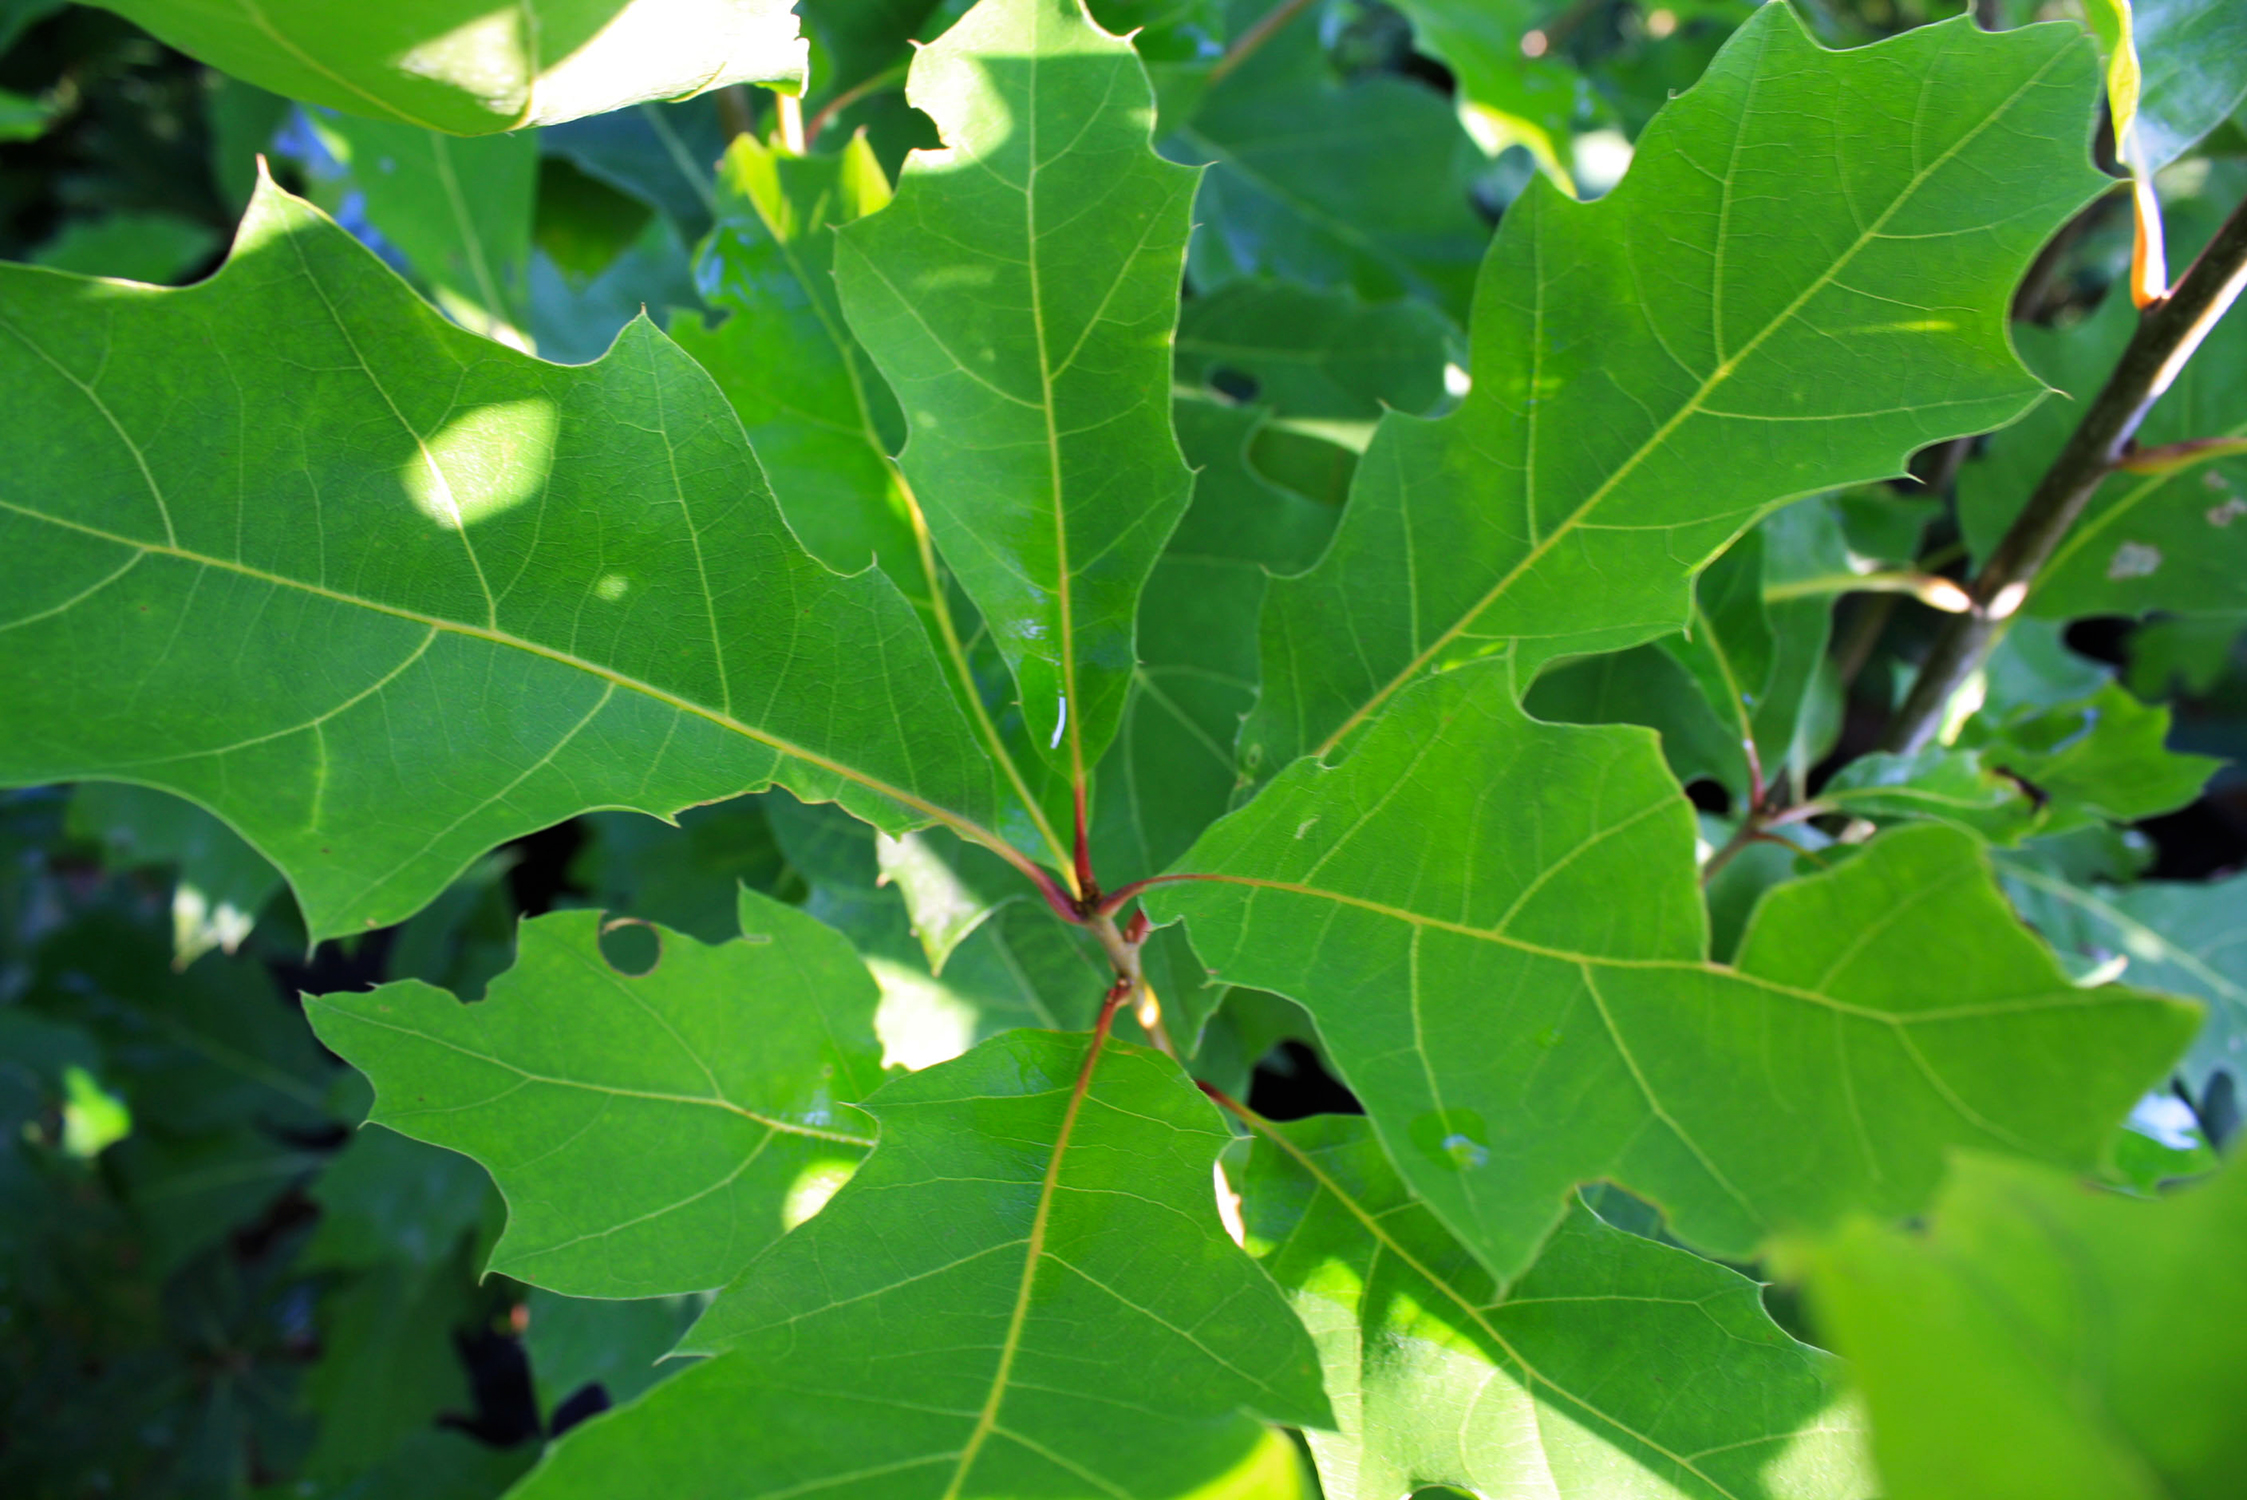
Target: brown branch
{"x": 2167, "y": 336}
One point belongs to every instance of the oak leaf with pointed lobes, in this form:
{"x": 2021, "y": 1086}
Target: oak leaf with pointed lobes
{"x": 1019, "y": 293}
{"x": 650, "y": 1132}
{"x": 1497, "y": 925}
{"x": 383, "y": 594}
{"x": 1803, "y": 278}
{"x": 1024, "y": 1293}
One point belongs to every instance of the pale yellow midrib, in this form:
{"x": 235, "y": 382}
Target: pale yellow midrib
{"x": 966, "y": 827}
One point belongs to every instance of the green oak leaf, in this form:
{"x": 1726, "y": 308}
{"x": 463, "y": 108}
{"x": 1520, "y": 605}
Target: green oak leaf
{"x": 658, "y": 154}
{"x": 222, "y": 882}
{"x": 1614, "y": 1366}
{"x": 1019, "y": 967}
{"x": 1311, "y": 355}
{"x": 387, "y": 1199}
{"x": 468, "y": 68}
{"x": 383, "y": 594}
{"x": 821, "y": 420}
{"x": 651, "y": 1133}
{"x": 681, "y": 875}
{"x": 2168, "y": 541}
{"x": 1505, "y": 96}
{"x": 2035, "y": 1338}
{"x": 2189, "y": 939}
{"x": 1337, "y": 184}
{"x": 1650, "y": 686}
{"x": 1757, "y": 659}
{"x": 1497, "y": 925}
{"x": 1019, "y": 294}
{"x": 460, "y": 212}
{"x": 1939, "y": 782}
{"x": 1171, "y": 770}
{"x": 574, "y": 1342}
{"x": 1025, "y": 1292}
{"x": 388, "y": 1365}
{"x": 1803, "y": 278}
{"x": 154, "y": 247}
{"x": 2104, "y": 756}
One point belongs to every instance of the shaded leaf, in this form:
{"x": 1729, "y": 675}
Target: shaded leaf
{"x": 1745, "y": 319}
{"x": 1331, "y": 183}
{"x": 1507, "y": 97}
{"x": 530, "y": 589}
{"x": 1018, "y": 294}
{"x": 2164, "y": 541}
{"x": 388, "y": 1200}
{"x": 2039, "y": 1339}
{"x": 574, "y": 1342}
{"x": 1497, "y": 925}
{"x": 1323, "y": 356}
{"x": 1614, "y": 1366}
{"x": 2099, "y": 757}
{"x": 222, "y": 883}
{"x": 2189, "y": 939}
{"x": 978, "y": 1312}
{"x": 1937, "y": 782}
{"x": 822, "y": 422}
{"x": 464, "y": 68}
{"x": 458, "y": 210}
{"x": 650, "y": 1132}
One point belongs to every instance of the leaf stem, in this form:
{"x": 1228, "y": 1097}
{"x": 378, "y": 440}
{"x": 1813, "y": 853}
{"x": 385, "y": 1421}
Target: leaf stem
{"x": 2167, "y": 336}
{"x": 1269, "y": 25}
{"x": 940, "y": 610}
{"x": 888, "y": 78}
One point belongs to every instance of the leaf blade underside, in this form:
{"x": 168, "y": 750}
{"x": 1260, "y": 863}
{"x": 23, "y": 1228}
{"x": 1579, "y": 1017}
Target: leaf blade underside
{"x": 1500, "y": 932}
{"x": 651, "y": 1133}
{"x": 301, "y": 523}
{"x": 1640, "y": 396}
{"x": 977, "y": 1313}
{"x": 1019, "y": 293}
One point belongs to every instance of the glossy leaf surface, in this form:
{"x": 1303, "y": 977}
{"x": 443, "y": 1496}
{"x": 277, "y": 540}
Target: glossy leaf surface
{"x": 529, "y": 583}
{"x": 651, "y": 1133}
{"x": 1497, "y": 925}
{"x": 1740, "y": 322}
{"x": 468, "y": 68}
{"x": 1019, "y": 294}
{"x": 977, "y": 1313}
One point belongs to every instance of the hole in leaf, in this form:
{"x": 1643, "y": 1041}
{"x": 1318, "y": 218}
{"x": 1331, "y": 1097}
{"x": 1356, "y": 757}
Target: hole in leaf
{"x": 1235, "y": 385}
{"x": 1708, "y": 795}
{"x": 630, "y": 946}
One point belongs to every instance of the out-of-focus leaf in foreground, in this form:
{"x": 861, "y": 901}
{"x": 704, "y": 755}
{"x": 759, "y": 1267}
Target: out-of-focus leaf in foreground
{"x": 1615, "y": 1366}
{"x": 469, "y": 68}
{"x": 2037, "y": 1337}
